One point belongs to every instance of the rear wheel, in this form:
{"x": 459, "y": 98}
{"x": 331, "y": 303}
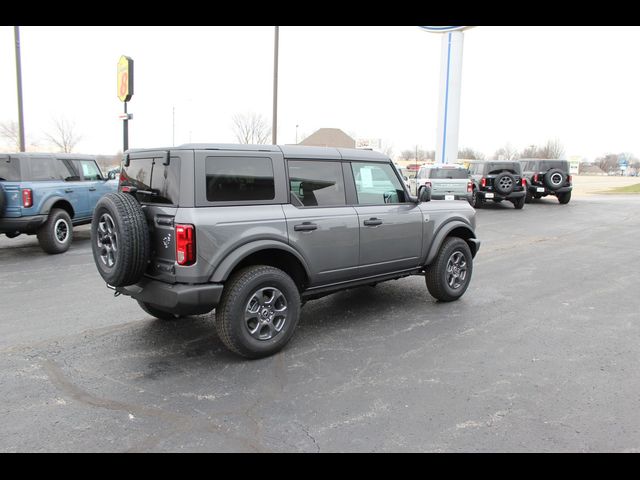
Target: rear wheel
{"x": 518, "y": 203}
{"x": 157, "y": 312}
{"x": 476, "y": 199}
{"x": 564, "y": 198}
{"x": 258, "y": 311}
{"x": 449, "y": 275}
{"x": 56, "y": 234}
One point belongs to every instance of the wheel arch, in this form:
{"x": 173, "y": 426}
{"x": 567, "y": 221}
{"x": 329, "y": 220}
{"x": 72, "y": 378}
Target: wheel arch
{"x": 454, "y": 228}
{"x": 272, "y": 253}
{"x": 57, "y": 202}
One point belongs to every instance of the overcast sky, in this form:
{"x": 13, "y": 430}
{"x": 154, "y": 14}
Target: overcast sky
{"x": 522, "y": 85}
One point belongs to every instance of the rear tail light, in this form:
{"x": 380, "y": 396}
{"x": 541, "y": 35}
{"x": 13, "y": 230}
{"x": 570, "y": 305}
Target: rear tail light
{"x": 27, "y": 198}
{"x": 569, "y": 179}
{"x": 469, "y": 187}
{"x": 185, "y": 244}
{"x": 427, "y": 184}
{"x": 535, "y": 178}
{"x": 524, "y": 182}
{"x": 483, "y": 182}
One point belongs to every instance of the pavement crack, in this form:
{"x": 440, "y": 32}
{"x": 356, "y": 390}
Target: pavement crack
{"x": 306, "y": 431}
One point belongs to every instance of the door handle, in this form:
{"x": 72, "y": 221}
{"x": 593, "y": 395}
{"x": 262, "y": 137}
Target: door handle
{"x": 68, "y": 190}
{"x": 305, "y": 227}
{"x": 373, "y": 222}
{"x": 92, "y": 189}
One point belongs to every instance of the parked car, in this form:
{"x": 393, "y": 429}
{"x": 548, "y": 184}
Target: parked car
{"x": 253, "y": 230}
{"x": 497, "y": 180}
{"x": 47, "y": 194}
{"x": 446, "y": 181}
{"x": 547, "y": 177}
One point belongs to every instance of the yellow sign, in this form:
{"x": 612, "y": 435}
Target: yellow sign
{"x": 125, "y": 78}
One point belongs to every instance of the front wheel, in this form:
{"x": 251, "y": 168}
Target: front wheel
{"x": 258, "y": 311}
{"x": 449, "y": 275}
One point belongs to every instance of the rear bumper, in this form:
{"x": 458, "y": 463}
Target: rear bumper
{"x": 456, "y": 196}
{"x": 545, "y": 191}
{"x": 177, "y": 298}
{"x": 500, "y": 196}
{"x": 28, "y": 224}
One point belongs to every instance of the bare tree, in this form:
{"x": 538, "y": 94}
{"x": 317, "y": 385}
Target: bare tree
{"x": 508, "y": 152}
{"x": 608, "y": 163}
{"x": 553, "y": 149}
{"x": 406, "y": 155}
{"x": 64, "y": 135}
{"x": 10, "y": 132}
{"x": 251, "y": 128}
{"x": 470, "y": 154}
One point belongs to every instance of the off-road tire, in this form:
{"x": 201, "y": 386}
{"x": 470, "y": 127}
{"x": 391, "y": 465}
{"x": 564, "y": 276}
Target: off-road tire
{"x": 230, "y": 313}
{"x": 476, "y": 199}
{"x": 56, "y": 234}
{"x": 157, "y": 312}
{"x": 131, "y": 236}
{"x": 436, "y": 272}
{"x": 554, "y": 173}
{"x": 528, "y": 197}
{"x": 564, "y": 198}
{"x": 518, "y": 203}
{"x": 499, "y": 188}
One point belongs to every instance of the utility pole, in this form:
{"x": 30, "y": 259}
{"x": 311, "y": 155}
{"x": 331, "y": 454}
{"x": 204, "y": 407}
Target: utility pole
{"x": 16, "y": 33}
{"x": 274, "y": 126}
{"x": 173, "y": 131}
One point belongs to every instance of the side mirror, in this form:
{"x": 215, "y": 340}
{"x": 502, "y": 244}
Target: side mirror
{"x": 406, "y": 178}
{"x": 425, "y": 195}
{"x": 111, "y": 175}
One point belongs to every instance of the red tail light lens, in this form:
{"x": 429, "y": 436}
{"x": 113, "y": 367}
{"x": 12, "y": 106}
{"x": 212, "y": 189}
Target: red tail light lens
{"x": 535, "y": 178}
{"x": 569, "y": 179}
{"x": 469, "y": 187}
{"x": 27, "y": 198}
{"x": 185, "y": 244}
{"x": 524, "y": 182}
{"x": 483, "y": 182}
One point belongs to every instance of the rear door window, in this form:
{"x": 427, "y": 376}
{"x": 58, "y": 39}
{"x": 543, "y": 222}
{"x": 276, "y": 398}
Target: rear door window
{"x": 316, "y": 183}
{"x": 234, "y": 179}
{"x": 48, "y": 169}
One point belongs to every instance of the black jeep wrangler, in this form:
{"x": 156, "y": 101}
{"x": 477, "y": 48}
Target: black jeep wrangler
{"x": 496, "y": 180}
{"x": 547, "y": 177}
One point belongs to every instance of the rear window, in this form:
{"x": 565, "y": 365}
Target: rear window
{"x": 233, "y": 179}
{"x": 9, "y": 169}
{"x": 497, "y": 167}
{"x": 156, "y": 182}
{"x": 448, "y": 173}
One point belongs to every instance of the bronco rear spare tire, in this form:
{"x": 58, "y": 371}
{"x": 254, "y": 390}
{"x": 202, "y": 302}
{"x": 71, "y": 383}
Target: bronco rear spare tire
{"x": 554, "y": 179}
{"x": 119, "y": 239}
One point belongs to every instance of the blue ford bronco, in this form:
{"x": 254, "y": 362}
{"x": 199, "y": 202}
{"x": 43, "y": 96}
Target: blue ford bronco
{"x": 47, "y": 194}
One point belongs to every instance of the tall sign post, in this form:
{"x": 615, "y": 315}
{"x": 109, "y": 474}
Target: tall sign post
{"x": 450, "y": 87}
{"x": 125, "y": 92}
{"x": 16, "y": 33}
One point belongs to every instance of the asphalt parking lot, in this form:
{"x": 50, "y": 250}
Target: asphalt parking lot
{"x": 540, "y": 354}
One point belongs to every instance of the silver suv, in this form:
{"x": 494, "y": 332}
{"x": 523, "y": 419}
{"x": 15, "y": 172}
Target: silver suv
{"x": 254, "y": 231}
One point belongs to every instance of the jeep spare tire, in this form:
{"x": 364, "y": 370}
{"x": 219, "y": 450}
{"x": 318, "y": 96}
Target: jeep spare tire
{"x": 554, "y": 179}
{"x": 120, "y": 239}
{"x": 504, "y": 183}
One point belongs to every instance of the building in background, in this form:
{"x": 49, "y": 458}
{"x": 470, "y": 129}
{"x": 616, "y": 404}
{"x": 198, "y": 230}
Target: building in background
{"x": 329, "y": 137}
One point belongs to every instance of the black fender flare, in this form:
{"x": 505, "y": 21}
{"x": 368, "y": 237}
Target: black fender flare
{"x": 222, "y": 272}
{"x": 463, "y": 230}
{"x": 50, "y": 202}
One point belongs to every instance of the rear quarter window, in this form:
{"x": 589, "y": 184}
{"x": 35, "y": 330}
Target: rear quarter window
{"x": 9, "y": 169}
{"x": 237, "y": 179}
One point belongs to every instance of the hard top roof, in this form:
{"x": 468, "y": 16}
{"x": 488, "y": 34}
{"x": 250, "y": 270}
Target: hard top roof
{"x": 289, "y": 151}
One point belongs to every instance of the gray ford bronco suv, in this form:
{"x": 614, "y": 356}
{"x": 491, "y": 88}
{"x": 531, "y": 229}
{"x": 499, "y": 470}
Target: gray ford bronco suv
{"x": 253, "y": 231}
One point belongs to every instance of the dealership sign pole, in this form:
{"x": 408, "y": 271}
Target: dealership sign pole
{"x": 125, "y": 92}
{"x": 450, "y": 86}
